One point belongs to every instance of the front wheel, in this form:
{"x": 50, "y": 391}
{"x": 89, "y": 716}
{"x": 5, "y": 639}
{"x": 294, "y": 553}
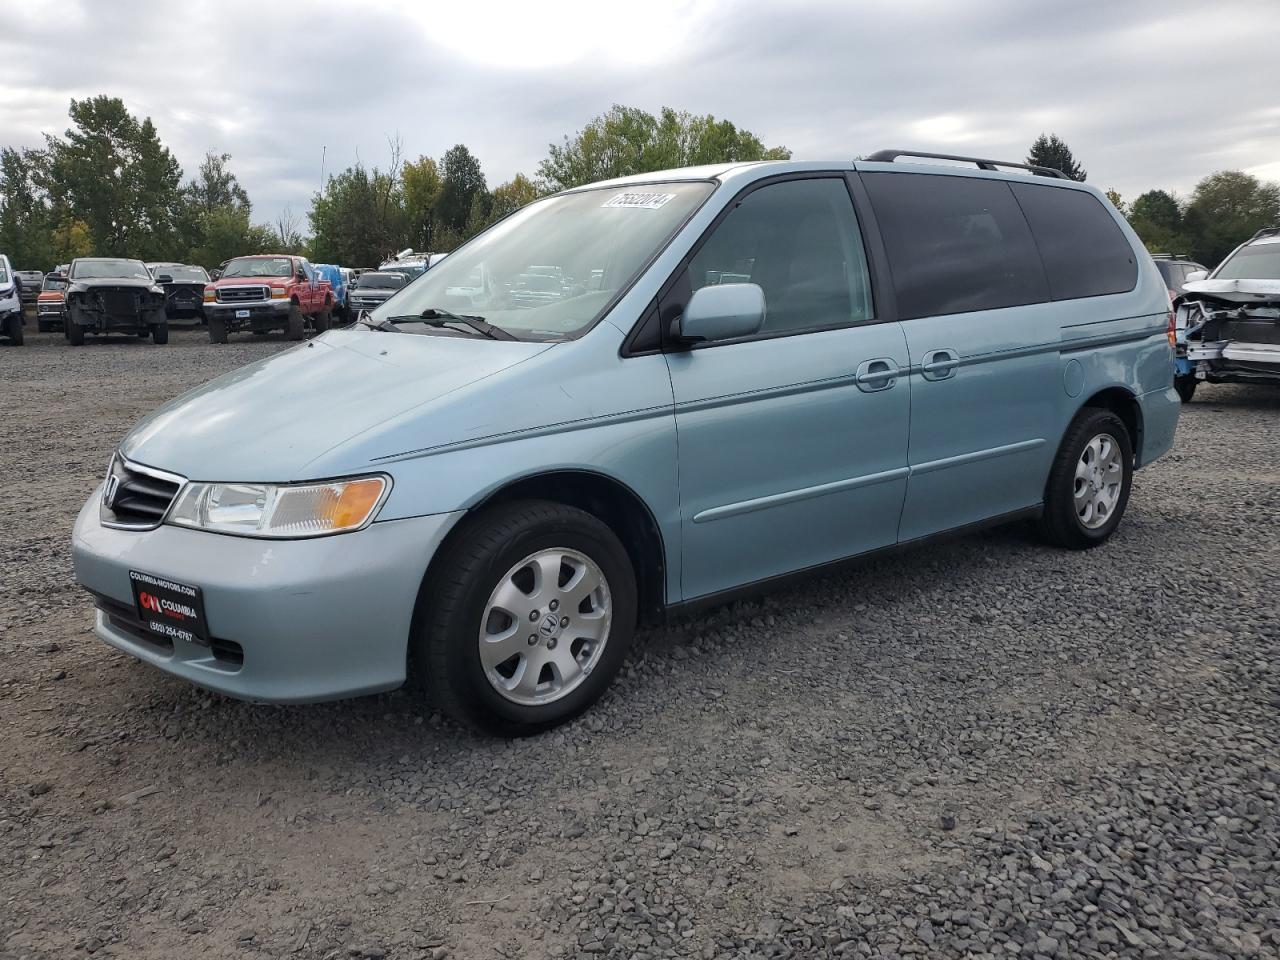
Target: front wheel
{"x": 13, "y": 326}
{"x": 160, "y": 333}
{"x": 75, "y": 333}
{"x": 1186, "y": 385}
{"x": 1089, "y": 483}
{"x": 527, "y": 616}
{"x": 296, "y": 327}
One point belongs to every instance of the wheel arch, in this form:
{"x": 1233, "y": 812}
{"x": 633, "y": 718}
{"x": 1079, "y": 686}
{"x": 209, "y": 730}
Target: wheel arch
{"x": 1123, "y": 403}
{"x": 608, "y": 499}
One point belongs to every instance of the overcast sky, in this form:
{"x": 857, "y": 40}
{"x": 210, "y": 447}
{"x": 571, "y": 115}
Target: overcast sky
{"x": 1147, "y": 94}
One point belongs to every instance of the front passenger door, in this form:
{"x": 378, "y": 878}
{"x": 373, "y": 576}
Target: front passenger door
{"x": 792, "y": 442}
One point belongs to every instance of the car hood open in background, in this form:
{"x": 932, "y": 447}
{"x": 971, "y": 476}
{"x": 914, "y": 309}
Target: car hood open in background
{"x": 270, "y": 420}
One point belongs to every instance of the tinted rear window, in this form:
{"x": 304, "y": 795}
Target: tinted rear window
{"x": 955, "y": 244}
{"x": 1085, "y": 254}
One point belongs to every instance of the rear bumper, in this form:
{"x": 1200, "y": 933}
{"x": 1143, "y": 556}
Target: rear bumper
{"x": 1160, "y": 409}
{"x": 296, "y": 620}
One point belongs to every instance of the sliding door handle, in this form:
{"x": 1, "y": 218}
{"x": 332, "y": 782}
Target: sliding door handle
{"x": 940, "y": 364}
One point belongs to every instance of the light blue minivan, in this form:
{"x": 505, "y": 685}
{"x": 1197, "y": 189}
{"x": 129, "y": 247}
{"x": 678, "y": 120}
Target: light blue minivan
{"x": 731, "y": 374}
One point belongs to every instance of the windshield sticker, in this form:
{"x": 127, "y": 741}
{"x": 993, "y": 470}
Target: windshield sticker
{"x": 643, "y": 201}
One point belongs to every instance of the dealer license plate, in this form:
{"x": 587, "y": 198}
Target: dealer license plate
{"x": 169, "y": 609}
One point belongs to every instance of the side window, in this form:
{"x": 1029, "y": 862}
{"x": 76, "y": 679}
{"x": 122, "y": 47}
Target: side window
{"x": 1084, "y": 251}
{"x": 799, "y": 240}
{"x": 955, "y": 244}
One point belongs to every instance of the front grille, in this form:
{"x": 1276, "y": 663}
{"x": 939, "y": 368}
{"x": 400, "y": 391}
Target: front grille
{"x": 243, "y": 294}
{"x": 135, "y": 496}
{"x": 120, "y": 301}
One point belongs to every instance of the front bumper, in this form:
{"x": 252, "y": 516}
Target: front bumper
{"x": 313, "y": 619}
{"x": 261, "y": 313}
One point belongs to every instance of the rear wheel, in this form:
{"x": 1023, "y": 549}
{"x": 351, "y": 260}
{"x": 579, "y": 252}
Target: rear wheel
{"x": 160, "y": 333}
{"x": 217, "y": 329}
{"x": 1186, "y": 385}
{"x": 296, "y": 328}
{"x": 324, "y": 320}
{"x": 1089, "y": 484}
{"x": 528, "y": 615}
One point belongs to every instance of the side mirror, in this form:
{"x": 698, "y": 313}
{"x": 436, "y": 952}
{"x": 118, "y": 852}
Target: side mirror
{"x": 1196, "y": 275}
{"x": 722, "y": 312}
{"x": 164, "y": 278}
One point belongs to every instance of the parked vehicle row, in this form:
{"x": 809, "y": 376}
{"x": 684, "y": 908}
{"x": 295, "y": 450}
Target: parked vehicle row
{"x": 853, "y": 357}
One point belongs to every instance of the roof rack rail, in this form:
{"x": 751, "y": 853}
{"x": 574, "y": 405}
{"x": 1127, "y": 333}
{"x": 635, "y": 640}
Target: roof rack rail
{"x": 1170, "y": 256}
{"x": 888, "y": 156}
{"x": 1266, "y": 232}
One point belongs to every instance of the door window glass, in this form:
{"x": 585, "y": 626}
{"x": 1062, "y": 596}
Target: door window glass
{"x": 1084, "y": 251}
{"x": 955, "y": 244}
{"x": 799, "y": 241}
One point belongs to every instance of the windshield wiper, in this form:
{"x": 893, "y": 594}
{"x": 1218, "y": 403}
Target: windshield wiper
{"x": 386, "y": 325}
{"x": 435, "y": 317}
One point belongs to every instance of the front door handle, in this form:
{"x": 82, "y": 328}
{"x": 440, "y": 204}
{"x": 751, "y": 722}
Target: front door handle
{"x": 940, "y": 364}
{"x": 875, "y": 375}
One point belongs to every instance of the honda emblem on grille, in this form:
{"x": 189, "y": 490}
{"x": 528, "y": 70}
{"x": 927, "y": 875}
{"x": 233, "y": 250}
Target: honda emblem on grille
{"x": 109, "y": 490}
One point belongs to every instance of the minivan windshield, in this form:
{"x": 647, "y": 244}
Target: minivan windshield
{"x": 258, "y": 267}
{"x": 549, "y": 270}
{"x": 1258, "y": 262}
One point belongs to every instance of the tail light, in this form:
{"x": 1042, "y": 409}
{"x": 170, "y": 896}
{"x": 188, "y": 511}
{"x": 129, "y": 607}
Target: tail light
{"x": 1172, "y": 330}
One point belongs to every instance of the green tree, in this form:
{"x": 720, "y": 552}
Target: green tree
{"x": 214, "y": 201}
{"x": 1051, "y": 151}
{"x": 461, "y": 181}
{"x": 225, "y": 233}
{"x": 1227, "y": 208}
{"x": 509, "y": 197}
{"x": 1156, "y": 217}
{"x": 421, "y": 180}
{"x": 1117, "y": 201}
{"x": 26, "y": 219}
{"x": 359, "y": 218}
{"x": 114, "y": 174}
{"x": 627, "y": 140}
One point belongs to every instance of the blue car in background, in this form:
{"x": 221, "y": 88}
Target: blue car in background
{"x": 338, "y": 280}
{"x": 740, "y": 373}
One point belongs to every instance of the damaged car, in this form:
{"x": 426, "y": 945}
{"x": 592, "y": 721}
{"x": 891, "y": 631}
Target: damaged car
{"x": 1228, "y": 325}
{"x": 114, "y": 295}
{"x": 183, "y": 289}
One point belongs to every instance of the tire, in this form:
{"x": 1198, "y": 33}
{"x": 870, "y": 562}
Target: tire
{"x": 143, "y": 334}
{"x": 1186, "y": 385}
{"x": 13, "y": 326}
{"x": 323, "y": 320}
{"x": 480, "y": 556}
{"x": 297, "y": 325}
{"x": 75, "y": 333}
{"x": 160, "y": 333}
{"x": 217, "y": 329}
{"x": 1081, "y": 524}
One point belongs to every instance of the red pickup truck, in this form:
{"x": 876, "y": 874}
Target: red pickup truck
{"x": 267, "y": 292}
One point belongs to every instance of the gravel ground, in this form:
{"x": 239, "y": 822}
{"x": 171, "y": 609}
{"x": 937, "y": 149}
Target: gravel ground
{"x": 986, "y": 749}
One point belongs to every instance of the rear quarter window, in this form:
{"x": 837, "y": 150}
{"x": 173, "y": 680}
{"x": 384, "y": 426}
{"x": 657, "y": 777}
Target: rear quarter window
{"x": 1084, "y": 251}
{"x": 955, "y": 244}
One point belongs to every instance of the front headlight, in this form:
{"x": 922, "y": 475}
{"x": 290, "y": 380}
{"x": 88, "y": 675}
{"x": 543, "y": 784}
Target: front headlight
{"x": 281, "y": 511}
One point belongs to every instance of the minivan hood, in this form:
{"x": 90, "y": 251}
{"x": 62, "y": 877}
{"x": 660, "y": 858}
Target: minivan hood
{"x": 270, "y": 420}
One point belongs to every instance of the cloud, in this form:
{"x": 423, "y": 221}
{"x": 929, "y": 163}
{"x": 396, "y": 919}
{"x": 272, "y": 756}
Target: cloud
{"x": 1147, "y": 95}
